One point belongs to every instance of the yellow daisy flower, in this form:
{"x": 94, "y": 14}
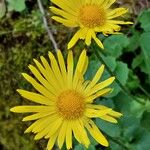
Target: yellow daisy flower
{"x": 91, "y": 16}
{"x": 65, "y": 101}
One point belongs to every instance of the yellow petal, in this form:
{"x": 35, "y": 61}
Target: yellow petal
{"x": 117, "y": 12}
{"x": 108, "y": 3}
{"x": 55, "y": 69}
{"x": 96, "y": 78}
{"x": 92, "y": 113}
{"x": 69, "y": 135}
{"x": 63, "y": 13}
{"x": 65, "y": 22}
{"x": 28, "y": 109}
{"x": 79, "y": 68}
{"x": 62, "y": 65}
{"x": 54, "y": 127}
{"x": 119, "y": 22}
{"x": 96, "y": 134}
{"x": 39, "y": 87}
{"x": 74, "y": 39}
{"x": 42, "y": 80}
{"x": 101, "y": 85}
{"x": 109, "y": 119}
{"x": 80, "y": 133}
{"x": 99, "y": 43}
{"x": 98, "y": 94}
{"x": 70, "y": 65}
{"x": 31, "y": 127}
{"x": 39, "y": 115}
{"x": 50, "y": 130}
{"x": 48, "y": 73}
{"x": 51, "y": 141}
{"x": 62, "y": 134}
{"x": 88, "y": 37}
{"x": 38, "y": 98}
{"x": 64, "y": 5}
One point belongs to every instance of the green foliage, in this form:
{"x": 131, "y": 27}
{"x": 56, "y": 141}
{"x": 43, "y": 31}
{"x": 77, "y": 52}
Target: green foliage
{"x": 17, "y": 5}
{"x": 2, "y": 8}
{"x": 127, "y": 55}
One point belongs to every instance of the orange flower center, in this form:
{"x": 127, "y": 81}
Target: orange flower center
{"x": 70, "y": 104}
{"x": 92, "y": 16}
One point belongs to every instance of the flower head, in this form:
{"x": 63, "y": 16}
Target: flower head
{"x": 65, "y": 101}
{"x": 90, "y": 16}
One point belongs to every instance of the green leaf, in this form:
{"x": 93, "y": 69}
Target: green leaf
{"x": 2, "y": 8}
{"x": 145, "y": 121}
{"x": 137, "y": 61}
{"x": 133, "y": 41}
{"x": 145, "y": 20}
{"x": 144, "y": 42}
{"x": 142, "y": 141}
{"x": 121, "y": 72}
{"x": 79, "y": 147}
{"x": 129, "y": 125}
{"x": 115, "y": 43}
{"x": 17, "y": 5}
{"x": 111, "y": 129}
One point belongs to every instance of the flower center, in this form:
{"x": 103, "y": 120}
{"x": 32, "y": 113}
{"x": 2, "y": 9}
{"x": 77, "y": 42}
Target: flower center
{"x": 70, "y": 104}
{"x": 92, "y": 16}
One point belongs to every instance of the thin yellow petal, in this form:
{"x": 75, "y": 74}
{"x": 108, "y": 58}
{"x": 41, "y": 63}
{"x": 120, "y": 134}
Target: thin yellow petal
{"x": 98, "y": 94}
{"x": 79, "y": 68}
{"x": 50, "y": 130}
{"x": 69, "y": 135}
{"x": 96, "y": 134}
{"x": 109, "y": 119}
{"x": 62, "y": 65}
{"x": 28, "y": 109}
{"x": 99, "y": 43}
{"x": 117, "y": 12}
{"x": 65, "y": 22}
{"x": 74, "y": 39}
{"x": 55, "y": 69}
{"x": 70, "y": 65}
{"x": 42, "y": 80}
{"x": 96, "y": 78}
{"x": 63, "y": 13}
{"x": 31, "y": 127}
{"x": 101, "y": 85}
{"x": 80, "y": 133}
{"x": 64, "y": 5}
{"x": 119, "y": 22}
{"x": 38, "y": 115}
{"x": 39, "y": 87}
{"x": 38, "y": 98}
{"x": 48, "y": 73}
{"x": 62, "y": 134}
{"x": 108, "y": 3}
{"x": 54, "y": 127}
{"x": 51, "y": 141}
{"x": 92, "y": 113}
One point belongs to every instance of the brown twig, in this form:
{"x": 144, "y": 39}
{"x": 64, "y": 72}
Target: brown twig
{"x": 46, "y": 25}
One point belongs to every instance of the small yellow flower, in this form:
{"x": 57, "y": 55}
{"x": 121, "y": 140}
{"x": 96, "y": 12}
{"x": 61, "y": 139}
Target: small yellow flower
{"x": 65, "y": 101}
{"x": 90, "y": 16}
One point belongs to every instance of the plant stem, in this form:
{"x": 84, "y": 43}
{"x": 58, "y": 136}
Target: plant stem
{"x": 46, "y": 25}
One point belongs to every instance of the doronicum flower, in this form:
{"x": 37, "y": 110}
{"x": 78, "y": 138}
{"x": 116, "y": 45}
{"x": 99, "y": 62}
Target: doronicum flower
{"x": 65, "y": 101}
{"x": 90, "y": 16}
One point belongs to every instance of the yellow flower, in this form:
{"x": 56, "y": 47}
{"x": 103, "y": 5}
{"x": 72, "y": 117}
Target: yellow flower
{"x": 65, "y": 101}
{"x": 90, "y": 16}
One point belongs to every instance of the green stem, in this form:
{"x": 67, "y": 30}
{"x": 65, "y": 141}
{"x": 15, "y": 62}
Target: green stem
{"x": 144, "y": 91}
